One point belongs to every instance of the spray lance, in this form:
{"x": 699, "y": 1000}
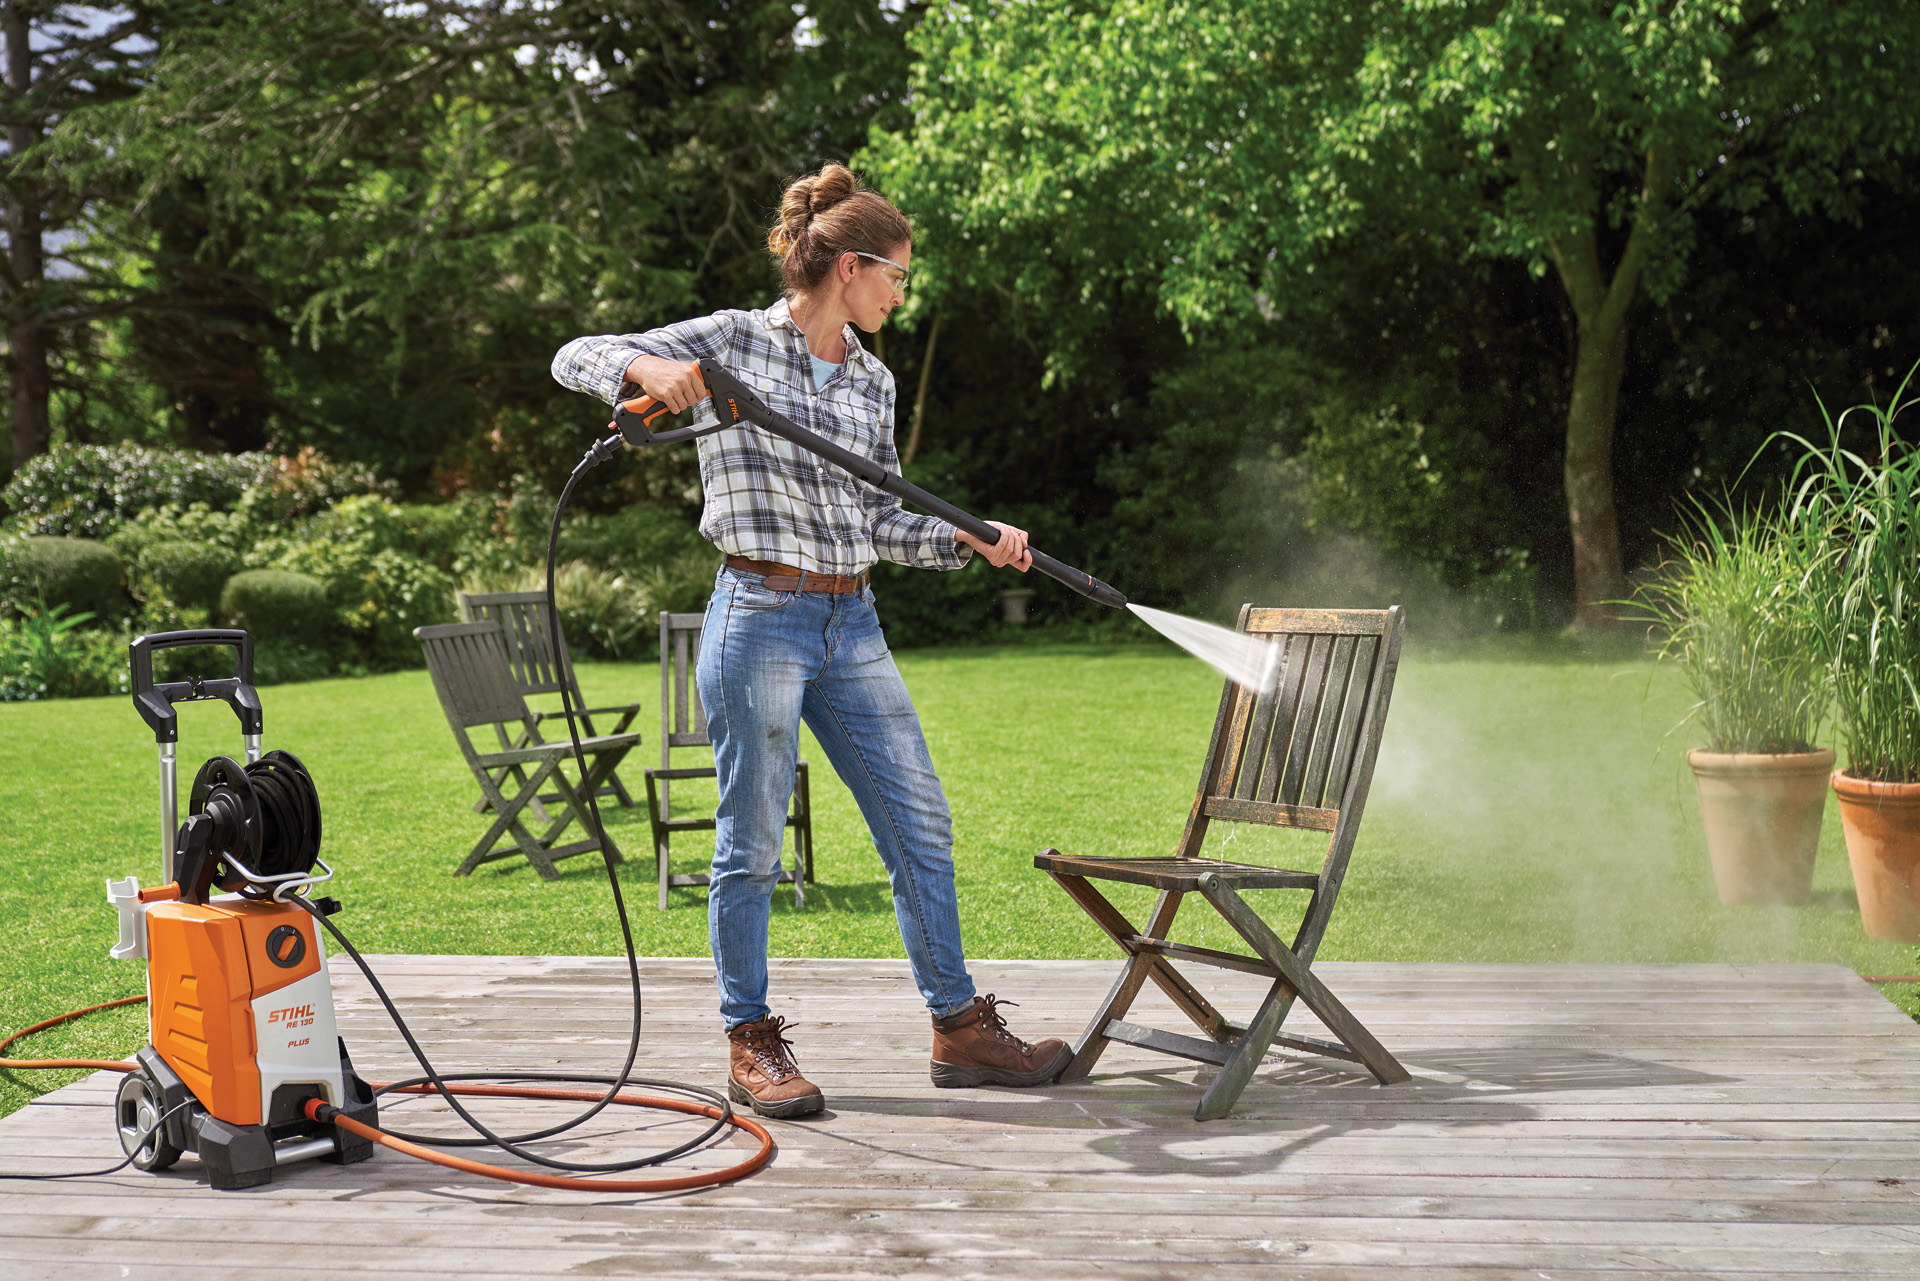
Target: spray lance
{"x": 734, "y": 403}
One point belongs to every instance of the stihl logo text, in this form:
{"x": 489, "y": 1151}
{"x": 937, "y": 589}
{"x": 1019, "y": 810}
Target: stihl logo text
{"x": 292, "y": 1017}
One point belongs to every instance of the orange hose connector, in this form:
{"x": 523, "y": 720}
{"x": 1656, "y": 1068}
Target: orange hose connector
{"x": 102, "y": 1065}
{"x": 680, "y": 1184}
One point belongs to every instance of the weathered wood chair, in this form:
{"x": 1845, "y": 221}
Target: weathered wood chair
{"x": 683, "y": 723}
{"x": 1298, "y": 756}
{"x": 468, "y": 663}
{"x": 538, "y": 670}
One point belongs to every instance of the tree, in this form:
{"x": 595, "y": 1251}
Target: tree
{"x": 60, "y": 58}
{"x": 1209, "y": 155}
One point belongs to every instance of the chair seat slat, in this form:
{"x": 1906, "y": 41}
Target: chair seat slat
{"x": 1182, "y": 874}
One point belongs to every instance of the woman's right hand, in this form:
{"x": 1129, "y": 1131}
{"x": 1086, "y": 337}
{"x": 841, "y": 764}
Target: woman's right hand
{"x": 673, "y": 384}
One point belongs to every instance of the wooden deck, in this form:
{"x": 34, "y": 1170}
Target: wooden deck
{"x": 1563, "y": 1122}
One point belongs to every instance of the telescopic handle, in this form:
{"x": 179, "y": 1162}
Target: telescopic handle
{"x": 735, "y": 403}
{"x": 155, "y": 702}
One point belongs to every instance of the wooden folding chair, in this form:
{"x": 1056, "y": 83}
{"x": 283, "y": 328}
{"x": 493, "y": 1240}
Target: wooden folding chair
{"x": 538, "y": 670}
{"x": 468, "y": 663}
{"x": 683, "y": 723}
{"x": 1298, "y": 756}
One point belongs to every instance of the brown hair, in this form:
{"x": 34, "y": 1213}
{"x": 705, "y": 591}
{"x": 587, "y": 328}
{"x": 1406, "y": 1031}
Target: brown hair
{"x": 822, "y": 216}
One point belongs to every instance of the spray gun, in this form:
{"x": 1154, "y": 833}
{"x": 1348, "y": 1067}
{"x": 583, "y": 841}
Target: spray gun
{"x": 734, "y": 404}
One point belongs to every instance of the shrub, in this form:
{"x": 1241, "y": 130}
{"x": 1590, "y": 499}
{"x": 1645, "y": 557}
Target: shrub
{"x": 47, "y": 654}
{"x": 79, "y": 573}
{"x": 188, "y": 572}
{"x": 603, "y": 615}
{"x": 89, "y": 491}
{"x": 379, "y": 589}
{"x": 276, "y": 604}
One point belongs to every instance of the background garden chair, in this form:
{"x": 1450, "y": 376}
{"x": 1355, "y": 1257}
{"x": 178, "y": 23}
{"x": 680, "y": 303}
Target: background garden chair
{"x": 538, "y": 670}
{"x": 1300, "y": 756}
{"x": 468, "y": 663}
{"x": 683, "y": 723}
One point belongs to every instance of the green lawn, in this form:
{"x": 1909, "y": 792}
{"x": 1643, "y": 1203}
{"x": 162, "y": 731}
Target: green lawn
{"x": 1529, "y": 806}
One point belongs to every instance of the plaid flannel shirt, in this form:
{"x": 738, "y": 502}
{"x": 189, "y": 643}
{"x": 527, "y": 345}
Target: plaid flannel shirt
{"x": 767, "y": 498}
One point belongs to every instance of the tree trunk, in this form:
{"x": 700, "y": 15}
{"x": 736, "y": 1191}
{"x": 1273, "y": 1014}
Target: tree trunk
{"x": 1598, "y": 574}
{"x": 920, "y": 397}
{"x": 1600, "y": 307}
{"x": 26, "y": 337}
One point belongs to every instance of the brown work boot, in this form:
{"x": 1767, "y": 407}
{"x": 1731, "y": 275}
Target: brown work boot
{"x": 974, "y": 1047}
{"x": 762, "y": 1072}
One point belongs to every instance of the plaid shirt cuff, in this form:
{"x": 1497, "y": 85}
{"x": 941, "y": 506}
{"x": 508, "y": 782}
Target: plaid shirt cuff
{"x": 924, "y": 542}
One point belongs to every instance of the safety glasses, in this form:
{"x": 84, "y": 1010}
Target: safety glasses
{"x": 905, "y": 275}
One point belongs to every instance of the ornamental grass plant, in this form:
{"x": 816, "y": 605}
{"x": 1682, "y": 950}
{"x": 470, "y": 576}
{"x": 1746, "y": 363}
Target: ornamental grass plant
{"x": 1862, "y": 508}
{"x": 1732, "y": 609}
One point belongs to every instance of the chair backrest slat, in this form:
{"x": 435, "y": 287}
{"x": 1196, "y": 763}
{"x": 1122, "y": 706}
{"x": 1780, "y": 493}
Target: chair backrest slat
{"x": 1347, "y": 734}
{"x": 1268, "y": 713}
{"x": 525, "y": 631}
{"x": 1308, "y": 710}
{"x": 1319, "y": 753}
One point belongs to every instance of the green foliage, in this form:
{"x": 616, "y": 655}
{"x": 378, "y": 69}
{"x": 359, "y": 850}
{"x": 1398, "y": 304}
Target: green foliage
{"x": 1205, "y": 155}
{"x": 1733, "y": 608}
{"x": 78, "y": 573}
{"x": 276, "y": 604}
{"x": 1863, "y": 507}
{"x": 89, "y": 491}
{"x": 49, "y": 653}
{"x": 365, "y": 552}
{"x": 187, "y": 572}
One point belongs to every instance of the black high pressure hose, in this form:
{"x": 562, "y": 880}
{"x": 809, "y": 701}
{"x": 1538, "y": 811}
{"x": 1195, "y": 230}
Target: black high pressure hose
{"x": 600, "y": 452}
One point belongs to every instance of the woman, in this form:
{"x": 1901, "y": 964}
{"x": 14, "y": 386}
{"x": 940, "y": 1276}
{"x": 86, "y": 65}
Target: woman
{"x": 791, "y": 635}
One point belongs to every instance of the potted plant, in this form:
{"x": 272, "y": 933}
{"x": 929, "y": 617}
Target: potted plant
{"x": 1733, "y": 610}
{"x": 1866, "y": 507}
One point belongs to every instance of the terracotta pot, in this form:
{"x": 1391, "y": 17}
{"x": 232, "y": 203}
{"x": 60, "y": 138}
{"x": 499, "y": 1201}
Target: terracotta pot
{"x": 1762, "y": 814}
{"x": 1882, "y": 823}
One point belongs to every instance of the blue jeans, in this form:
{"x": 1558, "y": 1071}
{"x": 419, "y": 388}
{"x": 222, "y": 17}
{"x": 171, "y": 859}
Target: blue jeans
{"x": 769, "y": 660}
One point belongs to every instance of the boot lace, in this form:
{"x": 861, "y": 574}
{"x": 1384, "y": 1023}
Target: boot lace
{"x": 772, "y": 1051}
{"x": 986, "y": 1012}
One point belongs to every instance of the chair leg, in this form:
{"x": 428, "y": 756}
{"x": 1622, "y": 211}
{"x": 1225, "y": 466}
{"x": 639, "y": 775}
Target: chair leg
{"x": 656, "y": 788}
{"x": 804, "y": 812}
{"x": 1140, "y": 965}
{"x": 508, "y": 823}
{"x": 1183, "y": 994}
{"x": 1326, "y": 1006}
{"x": 1226, "y": 1088}
{"x": 576, "y": 807}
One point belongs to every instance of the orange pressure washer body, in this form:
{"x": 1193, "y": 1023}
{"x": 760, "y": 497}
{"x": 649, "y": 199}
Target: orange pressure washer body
{"x": 210, "y": 969}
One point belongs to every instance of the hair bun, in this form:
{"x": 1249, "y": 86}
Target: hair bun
{"x": 834, "y": 183}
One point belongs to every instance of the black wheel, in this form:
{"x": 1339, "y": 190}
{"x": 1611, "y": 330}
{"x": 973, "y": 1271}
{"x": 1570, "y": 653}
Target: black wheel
{"x": 136, "y": 1113}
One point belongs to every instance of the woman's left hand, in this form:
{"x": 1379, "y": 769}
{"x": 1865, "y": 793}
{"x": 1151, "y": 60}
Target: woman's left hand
{"x": 1010, "y": 550}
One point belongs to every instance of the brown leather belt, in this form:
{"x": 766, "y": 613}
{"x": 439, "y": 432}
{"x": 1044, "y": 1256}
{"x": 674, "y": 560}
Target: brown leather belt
{"x": 785, "y": 578}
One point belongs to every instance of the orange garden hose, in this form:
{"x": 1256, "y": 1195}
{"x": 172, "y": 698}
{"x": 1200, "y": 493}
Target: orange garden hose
{"x": 680, "y": 1184}
{"x": 314, "y": 1106}
{"x": 103, "y": 1065}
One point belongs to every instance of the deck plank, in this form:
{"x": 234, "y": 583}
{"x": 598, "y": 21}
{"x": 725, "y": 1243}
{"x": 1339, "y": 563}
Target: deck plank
{"x": 1579, "y": 1120}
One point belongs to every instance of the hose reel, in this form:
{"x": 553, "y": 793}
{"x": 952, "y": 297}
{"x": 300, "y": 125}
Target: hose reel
{"x": 251, "y": 829}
